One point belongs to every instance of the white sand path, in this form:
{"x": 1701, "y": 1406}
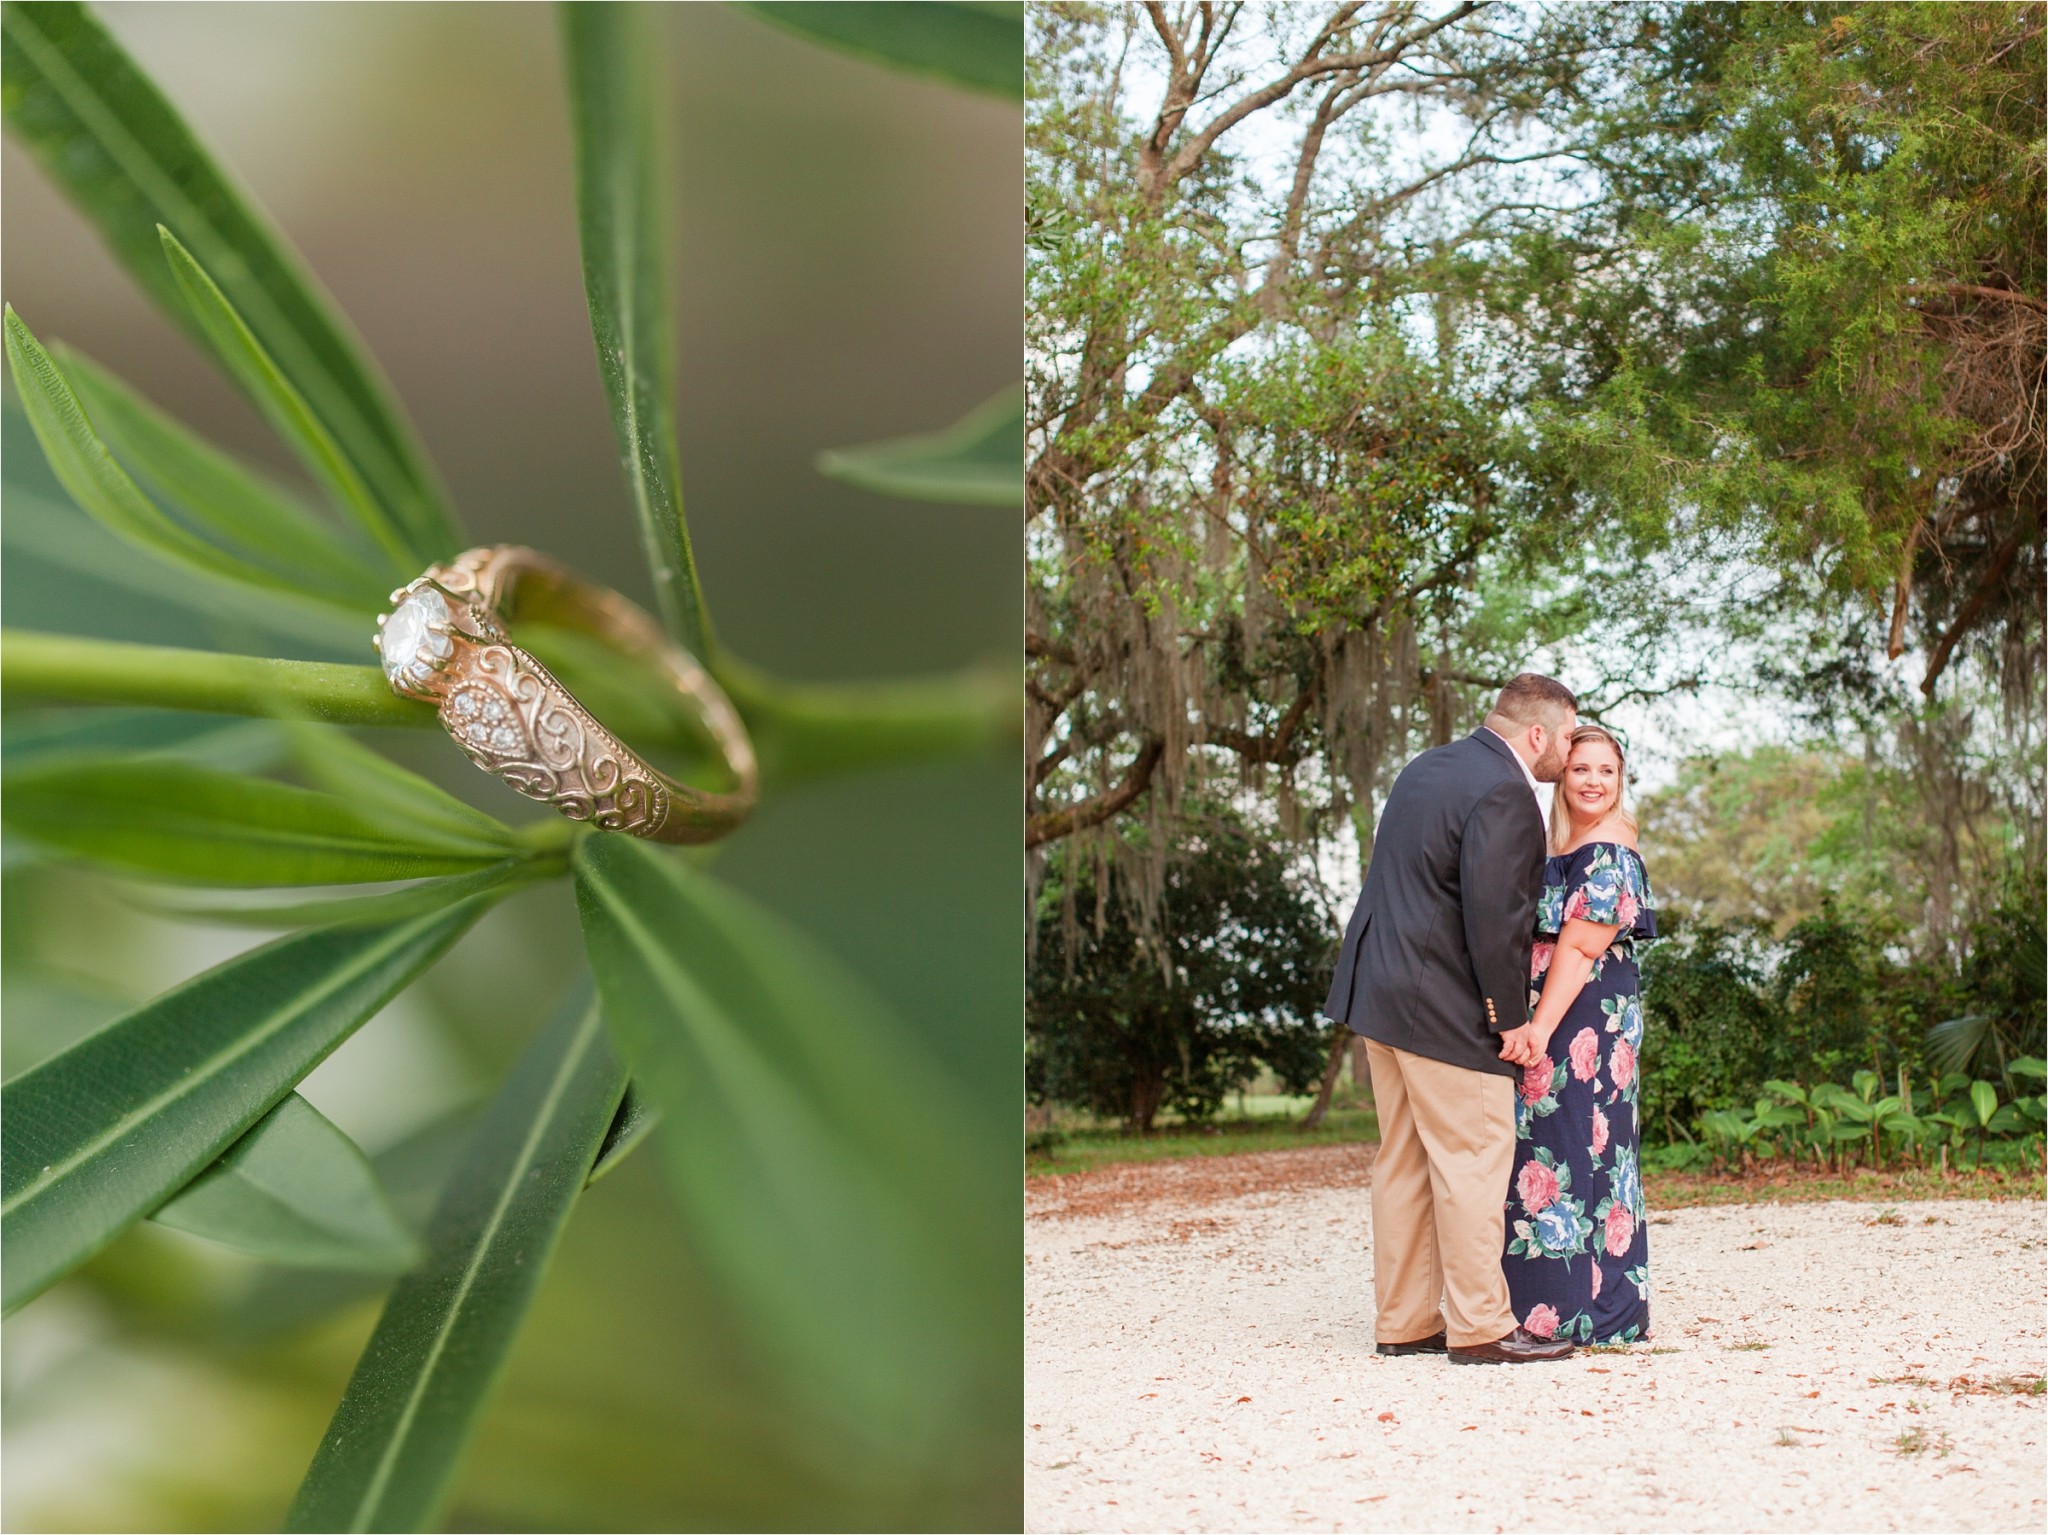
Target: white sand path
{"x": 1199, "y": 1357}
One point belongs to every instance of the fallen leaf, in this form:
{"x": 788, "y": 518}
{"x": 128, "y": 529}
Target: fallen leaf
{"x": 1387, "y": 1417}
{"x": 1244, "y": 1399}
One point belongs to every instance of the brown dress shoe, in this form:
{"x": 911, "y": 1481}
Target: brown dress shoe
{"x": 1518, "y": 1347}
{"x": 1433, "y": 1344}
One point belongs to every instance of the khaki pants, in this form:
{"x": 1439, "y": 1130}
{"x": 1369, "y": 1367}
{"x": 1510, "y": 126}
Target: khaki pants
{"x": 1439, "y": 1196}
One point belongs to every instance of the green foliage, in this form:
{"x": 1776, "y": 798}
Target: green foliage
{"x": 295, "y": 1190}
{"x": 100, "y": 1135}
{"x": 1804, "y": 306}
{"x": 800, "y": 1126}
{"x": 390, "y": 1455}
{"x": 975, "y": 43}
{"x": 96, "y": 481}
{"x": 106, "y": 134}
{"x": 192, "y": 823}
{"x": 611, "y": 55}
{"x": 1830, "y": 1022}
{"x": 977, "y": 461}
{"x": 235, "y": 505}
{"x": 1126, "y": 1017}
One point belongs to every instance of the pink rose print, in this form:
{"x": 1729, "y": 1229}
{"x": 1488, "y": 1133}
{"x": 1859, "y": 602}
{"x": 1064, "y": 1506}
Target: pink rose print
{"x": 1621, "y": 1230}
{"x": 1596, "y": 1280}
{"x": 1536, "y": 1079}
{"x": 1599, "y": 1132}
{"x": 1540, "y": 956}
{"x": 1626, "y": 914}
{"x": 1541, "y": 1322}
{"x": 1578, "y": 905}
{"x": 1585, "y": 1055}
{"x": 1537, "y": 1185}
{"x": 1624, "y": 1063}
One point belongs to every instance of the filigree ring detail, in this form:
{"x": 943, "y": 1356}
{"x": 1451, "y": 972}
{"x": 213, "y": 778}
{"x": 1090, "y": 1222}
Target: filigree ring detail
{"x": 445, "y": 641}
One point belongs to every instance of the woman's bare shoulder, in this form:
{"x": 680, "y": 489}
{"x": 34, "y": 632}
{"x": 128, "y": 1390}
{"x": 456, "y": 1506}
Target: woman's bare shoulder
{"x": 1615, "y": 833}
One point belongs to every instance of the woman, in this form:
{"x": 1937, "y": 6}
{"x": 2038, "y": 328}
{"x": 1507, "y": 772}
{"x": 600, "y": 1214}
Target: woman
{"x": 1577, "y": 1256}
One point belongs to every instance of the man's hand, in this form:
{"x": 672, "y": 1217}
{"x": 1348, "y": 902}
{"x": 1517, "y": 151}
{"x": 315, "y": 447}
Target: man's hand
{"x": 1524, "y": 1046}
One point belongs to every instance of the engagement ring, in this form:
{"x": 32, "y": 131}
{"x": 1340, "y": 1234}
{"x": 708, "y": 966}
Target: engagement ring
{"x": 444, "y": 641}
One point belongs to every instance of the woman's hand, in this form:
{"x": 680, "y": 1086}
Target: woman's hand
{"x": 1524, "y": 1047}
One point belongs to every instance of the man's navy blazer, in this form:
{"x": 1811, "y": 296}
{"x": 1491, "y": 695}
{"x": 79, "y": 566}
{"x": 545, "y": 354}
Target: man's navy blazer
{"x": 1436, "y": 955}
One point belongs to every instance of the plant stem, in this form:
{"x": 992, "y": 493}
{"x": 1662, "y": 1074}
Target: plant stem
{"x": 810, "y": 730}
{"x": 64, "y": 666}
{"x": 801, "y": 730}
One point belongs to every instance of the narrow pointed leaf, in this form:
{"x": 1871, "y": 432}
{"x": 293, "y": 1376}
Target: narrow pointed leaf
{"x": 822, "y": 1168}
{"x": 635, "y": 1120}
{"x": 295, "y": 1190}
{"x": 235, "y": 344}
{"x": 189, "y": 823}
{"x": 96, "y": 1137}
{"x": 235, "y": 505}
{"x": 98, "y": 484}
{"x": 978, "y": 461}
{"x": 387, "y": 795}
{"x": 46, "y": 529}
{"x": 119, "y": 149}
{"x": 397, "y": 1439}
{"x": 613, "y": 54}
{"x": 978, "y": 44}
{"x": 389, "y": 906}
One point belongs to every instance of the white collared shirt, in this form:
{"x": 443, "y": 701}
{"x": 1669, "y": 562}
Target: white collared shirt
{"x": 1528, "y": 777}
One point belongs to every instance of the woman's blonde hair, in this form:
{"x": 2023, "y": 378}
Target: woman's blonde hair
{"x": 1560, "y": 817}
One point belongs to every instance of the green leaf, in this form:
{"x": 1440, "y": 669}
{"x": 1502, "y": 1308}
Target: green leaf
{"x": 2029, "y": 1066}
{"x": 44, "y": 527}
{"x": 1954, "y": 1043}
{"x": 398, "y": 1437}
{"x": 295, "y": 1190}
{"x": 99, "y": 485}
{"x": 822, "y": 1167}
{"x": 387, "y": 796}
{"x": 612, "y": 52}
{"x": 96, "y": 1137}
{"x": 412, "y": 1171}
{"x": 190, "y": 823}
{"x": 978, "y": 461}
{"x": 1983, "y": 1099}
{"x": 231, "y": 502}
{"x": 235, "y": 344}
{"x": 104, "y": 133}
{"x": 635, "y": 1119}
{"x": 980, "y": 46}
{"x": 388, "y": 906}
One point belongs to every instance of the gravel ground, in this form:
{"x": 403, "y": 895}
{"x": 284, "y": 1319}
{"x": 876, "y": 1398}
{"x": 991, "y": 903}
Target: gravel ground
{"x": 1199, "y": 1357}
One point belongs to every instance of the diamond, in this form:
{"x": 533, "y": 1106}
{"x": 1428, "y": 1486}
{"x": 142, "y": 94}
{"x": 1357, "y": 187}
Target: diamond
{"x": 411, "y": 649}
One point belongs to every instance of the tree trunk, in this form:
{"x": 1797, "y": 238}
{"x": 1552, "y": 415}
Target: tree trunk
{"x": 1148, "y": 1091}
{"x": 1340, "y": 1042}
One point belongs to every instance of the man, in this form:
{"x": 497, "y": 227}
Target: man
{"x": 1435, "y": 974}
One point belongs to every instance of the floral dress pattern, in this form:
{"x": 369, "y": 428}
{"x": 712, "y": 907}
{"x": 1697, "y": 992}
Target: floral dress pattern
{"x": 1578, "y": 1261}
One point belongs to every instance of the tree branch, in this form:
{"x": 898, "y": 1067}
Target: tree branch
{"x": 1050, "y": 826}
{"x": 1980, "y": 599}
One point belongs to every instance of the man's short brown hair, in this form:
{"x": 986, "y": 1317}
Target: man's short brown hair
{"x": 1528, "y": 698}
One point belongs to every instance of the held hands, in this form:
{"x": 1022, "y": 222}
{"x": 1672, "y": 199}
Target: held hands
{"x": 1524, "y": 1046}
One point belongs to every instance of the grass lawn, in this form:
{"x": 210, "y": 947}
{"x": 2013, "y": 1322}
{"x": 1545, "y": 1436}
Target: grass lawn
{"x": 1083, "y": 1148}
{"x": 1079, "y": 1150}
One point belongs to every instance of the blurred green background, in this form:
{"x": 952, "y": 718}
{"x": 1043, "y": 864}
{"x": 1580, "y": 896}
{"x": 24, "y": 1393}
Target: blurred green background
{"x": 847, "y": 267}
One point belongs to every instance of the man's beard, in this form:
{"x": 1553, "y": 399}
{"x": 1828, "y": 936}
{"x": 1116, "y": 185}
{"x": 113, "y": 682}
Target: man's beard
{"x": 1549, "y": 768}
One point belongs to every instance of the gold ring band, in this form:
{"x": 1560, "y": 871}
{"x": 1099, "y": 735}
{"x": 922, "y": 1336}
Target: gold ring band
{"x": 444, "y": 641}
